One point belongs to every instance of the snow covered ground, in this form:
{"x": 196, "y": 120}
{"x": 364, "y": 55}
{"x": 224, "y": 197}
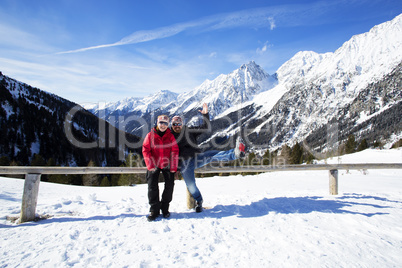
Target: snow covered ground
{"x": 278, "y": 219}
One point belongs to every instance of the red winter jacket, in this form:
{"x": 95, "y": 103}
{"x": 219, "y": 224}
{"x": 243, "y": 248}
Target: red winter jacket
{"x": 160, "y": 151}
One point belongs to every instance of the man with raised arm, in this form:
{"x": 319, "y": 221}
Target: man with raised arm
{"x": 190, "y": 154}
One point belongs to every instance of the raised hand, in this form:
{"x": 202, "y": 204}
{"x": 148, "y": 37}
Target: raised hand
{"x": 204, "y": 109}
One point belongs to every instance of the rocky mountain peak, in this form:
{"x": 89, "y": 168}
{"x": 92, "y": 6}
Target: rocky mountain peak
{"x": 304, "y": 94}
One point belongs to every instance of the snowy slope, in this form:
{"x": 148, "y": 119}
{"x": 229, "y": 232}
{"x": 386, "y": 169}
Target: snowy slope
{"x": 361, "y": 60}
{"x": 141, "y": 105}
{"x": 222, "y": 93}
{"x": 315, "y": 88}
{"x": 226, "y": 91}
{"x": 303, "y": 95}
{"x": 278, "y": 219}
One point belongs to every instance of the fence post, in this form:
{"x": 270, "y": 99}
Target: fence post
{"x": 30, "y": 197}
{"x": 333, "y": 182}
{"x": 190, "y": 200}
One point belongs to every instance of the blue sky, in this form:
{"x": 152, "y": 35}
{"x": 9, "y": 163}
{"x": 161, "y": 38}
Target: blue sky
{"x": 91, "y": 51}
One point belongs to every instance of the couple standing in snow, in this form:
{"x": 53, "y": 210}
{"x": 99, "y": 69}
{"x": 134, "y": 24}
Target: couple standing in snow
{"x": 175, "y": 150}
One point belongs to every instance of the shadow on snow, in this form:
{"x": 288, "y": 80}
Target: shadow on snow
{"x": 346, "y": 204}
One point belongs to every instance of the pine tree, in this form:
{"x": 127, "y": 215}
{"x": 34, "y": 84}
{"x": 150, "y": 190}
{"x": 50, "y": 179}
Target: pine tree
{"x": 132, "y": 160}
{"x": 266, "y": 158}
{"x": 51, "y": 162}
{"x": 397, "y": 144}
{"x": 90, "y": 179}
{"x": 309, "y": 157}
{"x": 4, "y": 161}
{"x": 251, "y": 159}
{"x": 38, "y": 161}
{"x": 363, "y": 145}
{"x": 285, "y": 154}
{"x": 350, "y": 146}
{"x": 105, "y": 182}
{"x": 296, "y": 155}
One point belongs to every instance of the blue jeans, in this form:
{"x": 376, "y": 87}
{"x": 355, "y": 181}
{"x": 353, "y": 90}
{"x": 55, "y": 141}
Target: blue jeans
{"x": 188, "y": 166}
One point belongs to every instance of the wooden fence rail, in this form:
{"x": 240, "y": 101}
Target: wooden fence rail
{"x": 33, "y": 174}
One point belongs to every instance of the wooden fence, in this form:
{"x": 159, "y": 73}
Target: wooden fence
{"x": 33, "y": 174}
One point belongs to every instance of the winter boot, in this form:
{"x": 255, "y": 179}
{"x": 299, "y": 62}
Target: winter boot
{"x": 198, "y": 207}
{"x": 152, "y": 216}
{"x": 165, "y": 210}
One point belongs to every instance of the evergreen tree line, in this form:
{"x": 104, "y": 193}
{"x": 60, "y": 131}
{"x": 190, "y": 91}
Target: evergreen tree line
{"x": 32, "y": 133}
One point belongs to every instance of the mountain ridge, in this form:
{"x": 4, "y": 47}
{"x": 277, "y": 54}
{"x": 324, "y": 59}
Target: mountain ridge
{"x": 34, "y": 122}
{"x": 331, "y": 70}
{"x": 354, "y": 90}
{"x": 236, "y": 87}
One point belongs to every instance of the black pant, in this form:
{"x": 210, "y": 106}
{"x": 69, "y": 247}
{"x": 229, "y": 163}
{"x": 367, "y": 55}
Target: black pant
{"x": 153, "y": 190}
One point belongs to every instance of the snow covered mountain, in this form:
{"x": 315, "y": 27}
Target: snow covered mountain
{"x": 39, "y": 128}
{"x": 130, "y": 105}
{"x": 225, "y": 92}
{"x": 307, "y": 94}
{"x": 320, "y": 88}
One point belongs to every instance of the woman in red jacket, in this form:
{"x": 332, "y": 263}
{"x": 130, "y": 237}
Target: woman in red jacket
{"x": 161, "y": 153}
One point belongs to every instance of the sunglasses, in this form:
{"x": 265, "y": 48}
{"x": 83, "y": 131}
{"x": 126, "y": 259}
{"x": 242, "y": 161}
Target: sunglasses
{"x": 163, "y": 123}
{"x": 176, "y": 124}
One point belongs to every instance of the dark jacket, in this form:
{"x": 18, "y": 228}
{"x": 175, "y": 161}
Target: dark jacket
{"x": 187, "y": 138}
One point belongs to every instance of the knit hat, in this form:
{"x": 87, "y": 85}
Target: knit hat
{"x": 163, "y": 118}
{"x": 177, "y": 119}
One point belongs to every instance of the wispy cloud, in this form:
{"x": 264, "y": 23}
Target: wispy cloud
{"x": 141, "y": 36}
{"x": 257, "y": 18}
{"x": 264, "y": 48}
{"x": 272, "y": 22}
